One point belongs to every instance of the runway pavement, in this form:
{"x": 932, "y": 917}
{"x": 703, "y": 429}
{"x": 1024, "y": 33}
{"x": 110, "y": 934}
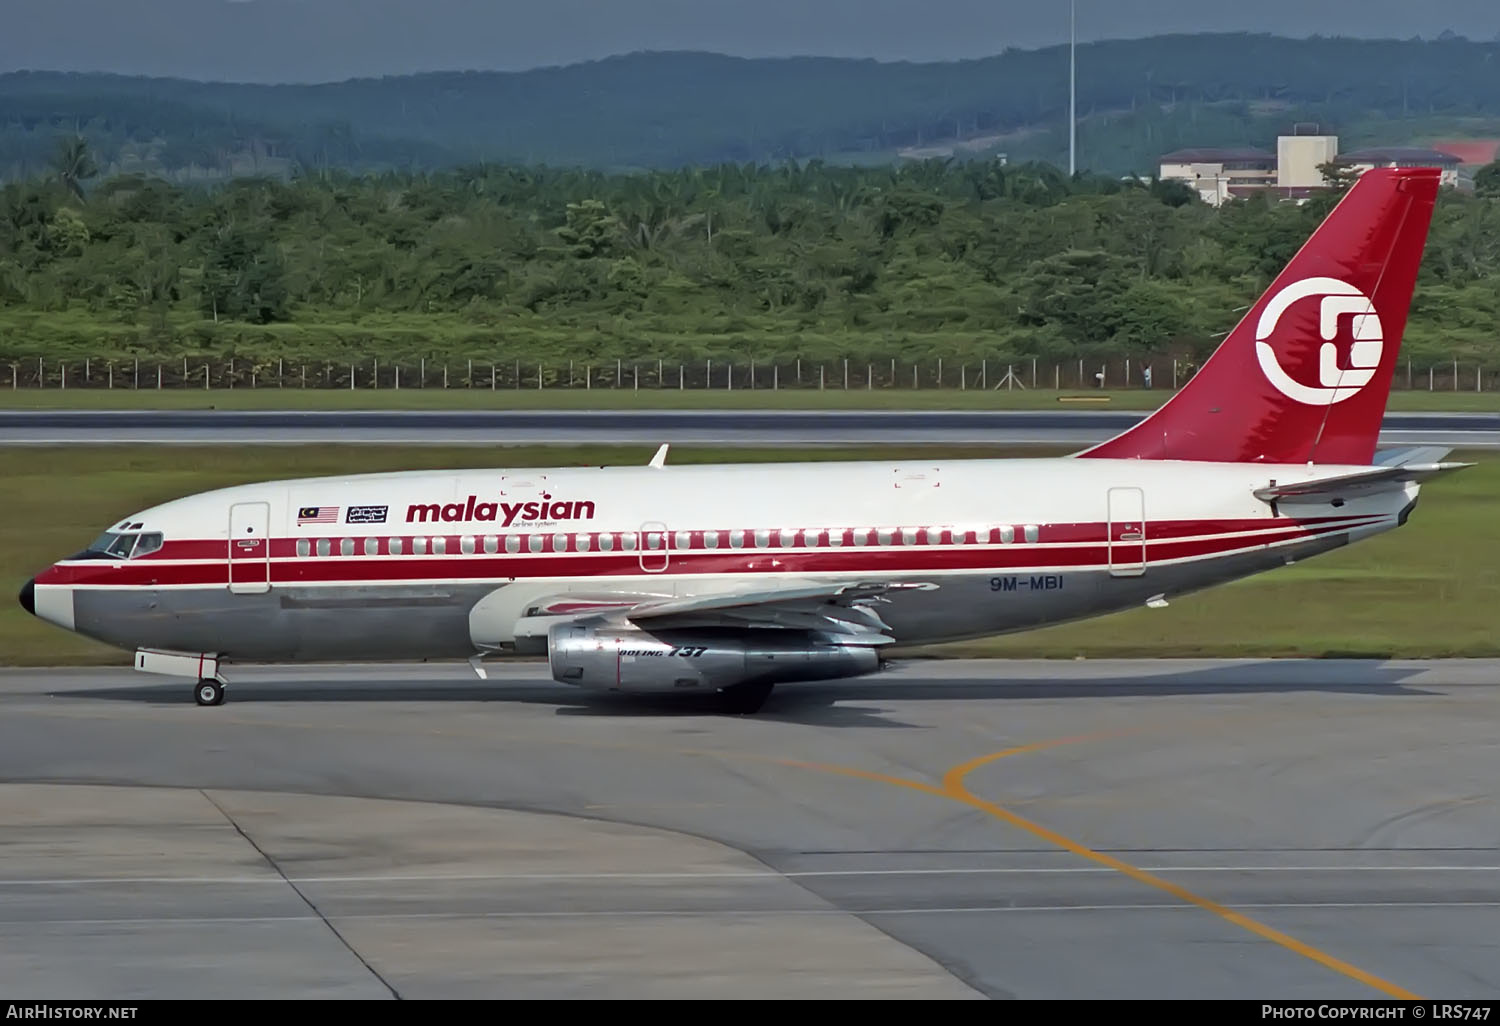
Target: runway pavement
{"x": 1231, "y": 829}
{"x": 729, "y": 427}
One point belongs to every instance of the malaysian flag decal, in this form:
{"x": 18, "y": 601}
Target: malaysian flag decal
{"x": 318, "y": 515}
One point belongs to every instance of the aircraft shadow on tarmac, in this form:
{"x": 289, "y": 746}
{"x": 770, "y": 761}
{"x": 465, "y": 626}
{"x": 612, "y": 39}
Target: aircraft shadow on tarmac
{"x": 854, "y": 702}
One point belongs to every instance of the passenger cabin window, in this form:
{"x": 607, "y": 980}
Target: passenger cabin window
{"x": 419, "y": 546}
{"x": 466, "y": 544}
{"x": 372, "y": 547}
{"x": 439, "y": 546}
{"x": 512, "y": 543}
{"x": 491, "y": 544}
{"x": 323, "y": 547}
{"x": 346, "y": 547}
{"x": 606, "y": 542}
{"x": 1031, "y": 532}
{"x": 1007, "y": 535}
{"x": 304, "y": 548}
{"x": 393, "y": 546}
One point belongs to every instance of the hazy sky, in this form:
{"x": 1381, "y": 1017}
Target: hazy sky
{"x": 327, "y": 40}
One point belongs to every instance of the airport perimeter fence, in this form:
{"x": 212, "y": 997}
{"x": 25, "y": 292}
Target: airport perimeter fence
{"x": 843, "y": 375}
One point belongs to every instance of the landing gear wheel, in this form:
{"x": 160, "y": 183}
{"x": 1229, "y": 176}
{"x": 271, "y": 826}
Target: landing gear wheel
{"x": 209, "y": 692}
{"x": 744, "y": 698}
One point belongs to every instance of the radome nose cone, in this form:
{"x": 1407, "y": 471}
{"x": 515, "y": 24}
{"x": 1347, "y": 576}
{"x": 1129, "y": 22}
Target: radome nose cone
{"x": 28, "y": 597}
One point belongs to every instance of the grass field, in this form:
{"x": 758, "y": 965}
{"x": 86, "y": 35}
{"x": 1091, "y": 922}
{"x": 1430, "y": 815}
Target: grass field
{"x": 647, "y": 399}
{"x": 1430, "y": 589}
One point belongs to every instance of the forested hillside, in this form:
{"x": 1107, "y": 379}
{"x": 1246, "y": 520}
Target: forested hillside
{"x": 929, "y": 259}
{"x": 1137, "y": 99}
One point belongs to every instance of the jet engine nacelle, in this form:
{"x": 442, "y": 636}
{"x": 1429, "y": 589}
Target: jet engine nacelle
{"x": 593, "y": 655}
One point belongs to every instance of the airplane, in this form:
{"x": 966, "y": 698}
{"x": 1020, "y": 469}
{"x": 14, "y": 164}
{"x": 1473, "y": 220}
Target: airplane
{"x": 730, "y": 580}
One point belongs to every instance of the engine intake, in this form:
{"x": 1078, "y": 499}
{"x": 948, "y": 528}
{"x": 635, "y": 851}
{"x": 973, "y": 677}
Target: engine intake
{"x": 631, "y": 659}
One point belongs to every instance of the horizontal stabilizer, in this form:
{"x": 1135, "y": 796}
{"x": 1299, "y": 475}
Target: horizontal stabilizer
{"x": 1345, "y": 486}
{"x": 1412, "y": 454}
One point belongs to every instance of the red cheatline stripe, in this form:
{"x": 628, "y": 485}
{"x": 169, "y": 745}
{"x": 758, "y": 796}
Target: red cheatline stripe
{"x": 336, "y": 569}
{"x": 1049, "y": 534}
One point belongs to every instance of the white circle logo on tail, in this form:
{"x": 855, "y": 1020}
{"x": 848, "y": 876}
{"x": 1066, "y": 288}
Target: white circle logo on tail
{"x": 1335, "y": 383}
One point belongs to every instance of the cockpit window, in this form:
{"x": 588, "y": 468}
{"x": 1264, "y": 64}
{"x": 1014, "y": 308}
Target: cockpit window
{"x": 116, "y": 545}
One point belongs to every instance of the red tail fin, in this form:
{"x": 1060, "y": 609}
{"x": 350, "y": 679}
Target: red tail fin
{"x": 1304, "y": 378}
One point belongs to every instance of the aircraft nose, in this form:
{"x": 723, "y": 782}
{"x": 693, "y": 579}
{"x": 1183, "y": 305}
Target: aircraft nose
{"x": 28, "y": 597}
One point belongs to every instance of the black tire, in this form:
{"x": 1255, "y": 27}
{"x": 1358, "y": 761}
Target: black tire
{"x": 208, "y": 692}
{"x": 744, "y": 699}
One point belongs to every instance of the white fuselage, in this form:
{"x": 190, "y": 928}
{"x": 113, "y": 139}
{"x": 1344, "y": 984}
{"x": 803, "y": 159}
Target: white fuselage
{"x": 448, "y": 564}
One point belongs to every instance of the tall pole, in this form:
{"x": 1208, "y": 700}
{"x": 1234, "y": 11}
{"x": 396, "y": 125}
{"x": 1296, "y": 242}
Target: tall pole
{"x": 1072, "y": 90}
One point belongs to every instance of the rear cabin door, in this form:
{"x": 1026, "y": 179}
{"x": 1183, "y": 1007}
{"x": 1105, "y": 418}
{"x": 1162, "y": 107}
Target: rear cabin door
{"x": 250, "y": 548}
{"x": 1127, "y": 532}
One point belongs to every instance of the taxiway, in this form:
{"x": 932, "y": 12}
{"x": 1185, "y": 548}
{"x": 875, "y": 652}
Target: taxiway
{"x": 1225, "y": 829}
{"x": 700, "y": 427}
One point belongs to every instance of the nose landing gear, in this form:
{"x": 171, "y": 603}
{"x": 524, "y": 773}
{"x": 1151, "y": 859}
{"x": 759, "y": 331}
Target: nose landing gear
{"x": 200, "y": 666}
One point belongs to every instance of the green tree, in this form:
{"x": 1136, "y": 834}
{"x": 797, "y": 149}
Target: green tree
{"x": 591, "y": 230}
{"x": 1487, "y": 181}
{"x": 961, "y": 260}
{"x": 243, "y": 278}
{"x": 74, "y": 164}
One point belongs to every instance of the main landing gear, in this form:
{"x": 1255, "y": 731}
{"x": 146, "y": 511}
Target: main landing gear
{"x": 744, "y": 699}
{"x": 209, "y": 692}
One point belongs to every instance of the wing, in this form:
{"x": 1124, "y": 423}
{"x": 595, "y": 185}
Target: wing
{"x": 836, "y": 608}
{"x": 845, "y": 609}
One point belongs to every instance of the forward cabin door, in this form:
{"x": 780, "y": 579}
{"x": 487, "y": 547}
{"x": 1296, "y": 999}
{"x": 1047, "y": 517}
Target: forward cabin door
{"x": 250, "y": 548}
{"x": 1127, "y": 532}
